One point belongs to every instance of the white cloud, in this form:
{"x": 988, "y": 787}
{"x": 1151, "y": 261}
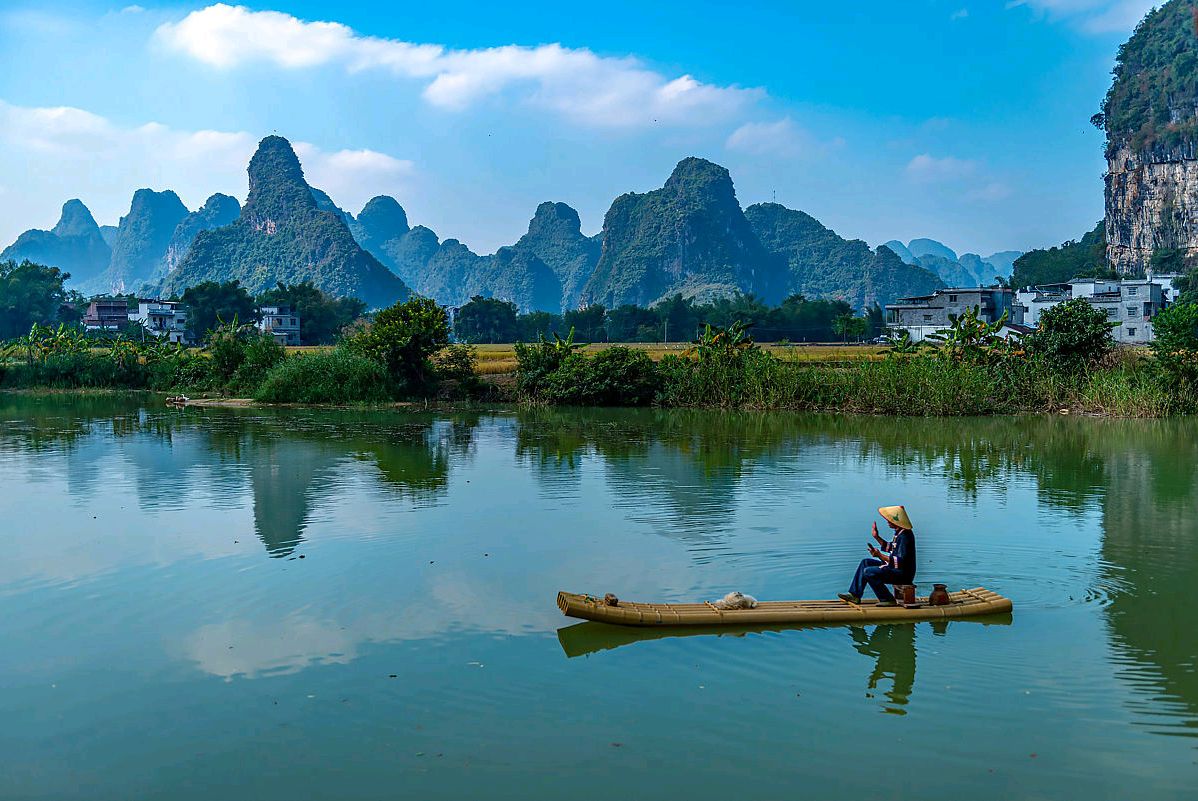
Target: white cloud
{"x": 62, "y": 152}
{"x": 926, "y": 168}
{"x": 577, "y": 83}
{"x": 960, "y": 13}
{"x": 779, "y": 138}
{"x": 134, "y": 9}
{"x": 1092, "y": 16}
{"x": 991, "y": 191}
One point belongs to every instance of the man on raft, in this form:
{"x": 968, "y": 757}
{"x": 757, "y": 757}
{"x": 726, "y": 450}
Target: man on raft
{"x": 894, "y": 563}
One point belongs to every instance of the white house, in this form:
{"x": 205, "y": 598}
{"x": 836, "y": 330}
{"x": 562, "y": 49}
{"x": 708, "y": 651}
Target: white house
{"x": 281, "y": 321}
{"x": 162, "y": 318}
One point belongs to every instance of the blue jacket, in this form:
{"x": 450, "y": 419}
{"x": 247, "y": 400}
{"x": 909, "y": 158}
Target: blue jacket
{"x": 901, "y": 555}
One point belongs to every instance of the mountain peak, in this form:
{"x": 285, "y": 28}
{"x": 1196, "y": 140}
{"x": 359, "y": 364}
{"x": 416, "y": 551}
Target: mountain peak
{"x": 383, "y": 213}
{"x": 277, "y": 185}
{"x": 554, "y": 217}
{"x": 694, "y": 170}
{"x": 75, "y": 220}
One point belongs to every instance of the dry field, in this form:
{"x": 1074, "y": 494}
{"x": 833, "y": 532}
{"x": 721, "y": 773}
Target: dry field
{"x": 501, "y": 359}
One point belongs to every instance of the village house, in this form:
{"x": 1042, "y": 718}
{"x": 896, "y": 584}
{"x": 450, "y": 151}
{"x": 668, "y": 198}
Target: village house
{"x": 1130, "y": 302}
{"x": 106, "y": 314}
{"x": 162, "y": 318}
{"x": 926, "y": 314}
{"x": 282, "y": 322}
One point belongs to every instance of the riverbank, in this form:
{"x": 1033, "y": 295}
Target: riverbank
{"x": 1127, "y": 384}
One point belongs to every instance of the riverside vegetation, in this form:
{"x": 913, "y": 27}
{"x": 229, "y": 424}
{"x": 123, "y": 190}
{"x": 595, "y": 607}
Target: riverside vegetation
{"x": 404, "y": 353}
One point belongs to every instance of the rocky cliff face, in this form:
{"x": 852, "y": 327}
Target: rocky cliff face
{"x": 1150, "y": 116}
{"x": 1151, "y": 204}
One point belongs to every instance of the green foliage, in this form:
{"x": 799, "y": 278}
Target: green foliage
{"x": 616, "y": 376}
{"x": 211, "y": 305}
{"x": 536, "y": 361}
{"x": 1072, "y": 335}
{"x": 403, "y": 338}
{"x": 1187, "y": 287}
{"x": 486, "y": 320}
{"x": 587, "y": 322}
{"x": 901, "y": 343}
{"x": 336, "y": 376}
{"x": 322, "y": 317}
{"x": 850, "y": 327}
{"x": 1176, "y": 344}
{"x": 1168, "y": 260}
{"x": 29, "y": 294}
{"x": 457, "y": 372}
{"x": 972, "y": 340}
{"x": 533, "y": 326}
{"x": 242, "y": 356}
{"x": 1056, "y": 265}
{"x": 1150, "y": 105}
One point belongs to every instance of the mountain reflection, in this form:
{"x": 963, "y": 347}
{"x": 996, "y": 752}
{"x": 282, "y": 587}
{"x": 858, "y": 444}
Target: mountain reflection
{"x": 287, "y": 461}
{"x": 692, "y": 477}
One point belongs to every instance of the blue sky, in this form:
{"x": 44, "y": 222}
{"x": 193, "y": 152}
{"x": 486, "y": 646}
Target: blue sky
{"x": 965, "y": 121}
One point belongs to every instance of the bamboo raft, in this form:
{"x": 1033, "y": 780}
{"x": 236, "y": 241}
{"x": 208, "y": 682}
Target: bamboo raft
{"x": 965, "y": 603}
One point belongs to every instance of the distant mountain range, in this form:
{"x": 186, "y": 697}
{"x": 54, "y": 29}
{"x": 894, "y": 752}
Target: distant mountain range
{"x": 690, "y": 237}
{"x": 966, "y": 270}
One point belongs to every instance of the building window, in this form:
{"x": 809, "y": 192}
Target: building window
{"x": 1133, "y": 290}
{"x": 1133, "y": 311}
{"x": 1131, "y": 332}
{"x": 952, "y": 298}
{"x": 293, "y": 322}
{"x": 927, "y": 318}
{"x": 1110, "y": 312}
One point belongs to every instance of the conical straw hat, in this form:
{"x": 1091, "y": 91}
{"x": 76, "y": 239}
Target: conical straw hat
{"x": 896, "y": 515}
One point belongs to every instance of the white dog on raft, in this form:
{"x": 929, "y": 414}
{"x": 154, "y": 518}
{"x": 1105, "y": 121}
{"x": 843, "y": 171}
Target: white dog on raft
{"x": 735, "y": 600}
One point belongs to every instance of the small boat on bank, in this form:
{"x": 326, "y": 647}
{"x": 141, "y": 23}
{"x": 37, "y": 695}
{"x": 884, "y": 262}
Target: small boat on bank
{"x": 965, "y": 603}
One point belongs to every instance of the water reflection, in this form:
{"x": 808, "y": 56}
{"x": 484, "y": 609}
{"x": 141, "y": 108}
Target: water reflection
{"x": 286, "y": 461}
{"x": 750, "y": 496}
{"x": 893, "y": 651}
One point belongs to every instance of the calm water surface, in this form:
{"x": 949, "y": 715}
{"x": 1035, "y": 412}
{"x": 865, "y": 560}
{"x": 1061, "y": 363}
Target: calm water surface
{"x": 234, "y": 604}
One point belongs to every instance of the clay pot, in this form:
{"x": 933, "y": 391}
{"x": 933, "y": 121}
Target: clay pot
{"x": 905, "y": 593}
{"x": 939, "y": 596}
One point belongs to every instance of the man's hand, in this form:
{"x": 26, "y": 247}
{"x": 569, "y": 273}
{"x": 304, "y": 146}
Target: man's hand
{"x": 876, "y": 554}
{"x": 877, "y": 536}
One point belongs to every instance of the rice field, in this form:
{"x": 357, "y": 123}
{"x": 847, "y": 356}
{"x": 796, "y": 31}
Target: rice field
{"x": 500, "y": 359}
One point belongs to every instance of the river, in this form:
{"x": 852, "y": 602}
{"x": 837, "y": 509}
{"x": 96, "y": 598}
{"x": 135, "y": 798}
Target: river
{"x": 286, "y": 604}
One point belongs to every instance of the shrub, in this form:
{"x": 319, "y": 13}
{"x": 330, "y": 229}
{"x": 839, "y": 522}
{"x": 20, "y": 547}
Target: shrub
{"x": 241, "y": 356}
{"x": 1176, "y": 344}
{"x": 457, "y": 373}
{"x": 403, "y": 338}
{"x": 535, "y": 362}
{"x": 616, "y": 376}
{"x": 1072, "y": 336}
{"x": 337, "y": 376}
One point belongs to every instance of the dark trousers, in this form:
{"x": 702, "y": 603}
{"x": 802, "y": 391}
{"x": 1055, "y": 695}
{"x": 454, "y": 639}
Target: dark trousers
{"x": 872, "y": 572}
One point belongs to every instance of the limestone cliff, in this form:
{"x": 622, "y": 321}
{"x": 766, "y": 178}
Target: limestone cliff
{"x": 1150, "y": 116}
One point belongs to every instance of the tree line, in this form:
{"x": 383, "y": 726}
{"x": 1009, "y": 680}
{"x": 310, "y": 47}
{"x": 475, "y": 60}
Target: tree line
{"x": 676, "y": 319}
